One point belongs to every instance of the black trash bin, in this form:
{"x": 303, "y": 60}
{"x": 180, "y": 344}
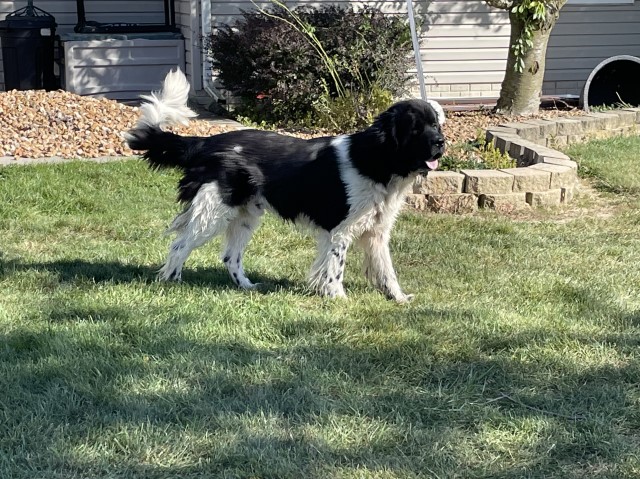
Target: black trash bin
{"x": 27, "y": 37}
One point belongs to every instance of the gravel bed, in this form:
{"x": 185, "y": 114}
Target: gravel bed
{"x": 40, "y": 124}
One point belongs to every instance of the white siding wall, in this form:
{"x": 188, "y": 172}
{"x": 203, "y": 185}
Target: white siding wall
{"x": 464, "y": 48}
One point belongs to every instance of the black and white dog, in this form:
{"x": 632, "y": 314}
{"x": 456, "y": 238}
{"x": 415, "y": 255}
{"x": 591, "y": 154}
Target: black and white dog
{"x": 346, "y": 188}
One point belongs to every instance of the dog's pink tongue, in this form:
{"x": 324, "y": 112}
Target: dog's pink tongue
{"x": 433, "y": 164}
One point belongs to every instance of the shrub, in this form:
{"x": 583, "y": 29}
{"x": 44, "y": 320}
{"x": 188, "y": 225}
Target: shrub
{"x": 476, "y": 155}
{"x": 331, "y": 67}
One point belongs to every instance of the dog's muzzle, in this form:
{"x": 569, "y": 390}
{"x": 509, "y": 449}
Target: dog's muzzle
{"x": 437, "y": 150}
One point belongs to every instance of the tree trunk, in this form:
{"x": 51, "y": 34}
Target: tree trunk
{"x": 520, "y": 92}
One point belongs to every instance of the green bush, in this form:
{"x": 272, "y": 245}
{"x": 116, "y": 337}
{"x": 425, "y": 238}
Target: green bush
{"x": 330, "y": 67}
{"x": 476, "y": 155}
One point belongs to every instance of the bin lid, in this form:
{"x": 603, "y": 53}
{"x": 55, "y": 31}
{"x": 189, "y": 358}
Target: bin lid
{"x": 28, "y": 17}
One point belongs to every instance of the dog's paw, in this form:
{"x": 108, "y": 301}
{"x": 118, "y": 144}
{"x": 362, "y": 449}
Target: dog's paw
{"x": 405, "y": 298}
{"x": 334, "y": 291}
{"x": 175, "y": 276}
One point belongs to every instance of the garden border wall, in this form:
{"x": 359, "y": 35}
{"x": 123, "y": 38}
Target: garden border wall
{"x": 544, "y": 176}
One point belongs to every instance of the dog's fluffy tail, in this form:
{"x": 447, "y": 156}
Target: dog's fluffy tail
{"x": 169, "y": 106}
{"x": 162, "y": 149}
{"x": 166, "y": 107}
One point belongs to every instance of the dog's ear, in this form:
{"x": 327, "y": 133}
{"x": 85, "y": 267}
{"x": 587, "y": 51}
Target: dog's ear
{"x": 385, "y": 125}
{"x": 395, "y": 126}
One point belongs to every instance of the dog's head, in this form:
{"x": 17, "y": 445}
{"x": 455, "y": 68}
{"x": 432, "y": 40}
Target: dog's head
{"x": 413, "y": 130}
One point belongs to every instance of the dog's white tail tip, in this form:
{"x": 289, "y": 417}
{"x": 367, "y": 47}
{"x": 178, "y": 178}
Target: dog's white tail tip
{"x": 169, "y": 105}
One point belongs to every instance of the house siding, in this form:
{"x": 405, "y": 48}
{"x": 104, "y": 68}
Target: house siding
{"x": 188, "y": 20}
{"x": 464, "y": 44}
{"x": 584, "y": 36}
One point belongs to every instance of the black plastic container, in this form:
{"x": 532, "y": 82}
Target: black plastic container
{"x": 27, "y": 38}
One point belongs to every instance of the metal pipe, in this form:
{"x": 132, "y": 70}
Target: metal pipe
{"x": 416, "y": 49}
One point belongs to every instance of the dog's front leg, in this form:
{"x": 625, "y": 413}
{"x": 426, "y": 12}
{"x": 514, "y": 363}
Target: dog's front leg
{"x": 378, "y": 267}
{"x": 327, "y": 272}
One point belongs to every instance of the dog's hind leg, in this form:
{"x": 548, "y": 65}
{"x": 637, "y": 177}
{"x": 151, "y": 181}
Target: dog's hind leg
{"x": 205, "y": 218}
{"x": 378, "y": 267}
{"x": 237, "y": 238}
{"x": 327, "y": 271}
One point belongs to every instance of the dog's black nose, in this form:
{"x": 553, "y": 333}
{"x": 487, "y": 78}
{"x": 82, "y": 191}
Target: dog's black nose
{"x": 439, "y": 142}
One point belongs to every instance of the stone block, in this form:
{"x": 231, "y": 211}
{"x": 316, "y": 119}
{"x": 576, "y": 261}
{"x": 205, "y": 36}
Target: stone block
{"x": 526, "y": 131}
{"x": 460, "y": 203}
{"x": 494, "y": 132}
{"x": 561, "y": 162}
{"x": 636, "y": 111}
{"x": 504, "y": 202}
{"x": 503, "y": 142}
{"x": 627, "y": 118}
{"x": 487, "y": 181}
{"x": 567, "y": 126}
{"x": 527, "y": 179}
{"x": 561, "y": 176}
{"x": 566, "y": 195}
{"x": 416, "y": 201}
{"x": 625, "y": 130}
{"x": 440, "y": 88}
{"x": 606, "y": 121}
{"x": 538, "y": 153}
{"x": 441, "y": 183}
{"x": 589, "y": 123}
{"x": 544, "y": 198}
{"x": 547, "y": 128}
{"x": 517, "y": 150}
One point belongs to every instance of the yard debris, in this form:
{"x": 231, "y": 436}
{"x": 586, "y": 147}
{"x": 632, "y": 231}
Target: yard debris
{"x": 40, "y": 124}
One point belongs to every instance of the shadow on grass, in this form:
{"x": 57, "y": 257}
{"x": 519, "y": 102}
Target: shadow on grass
{"x": 149, "y": 399}
{"x": 114, "y": 272}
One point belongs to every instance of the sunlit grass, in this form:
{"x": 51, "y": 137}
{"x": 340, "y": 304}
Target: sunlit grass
{"x": 518, "y": 357}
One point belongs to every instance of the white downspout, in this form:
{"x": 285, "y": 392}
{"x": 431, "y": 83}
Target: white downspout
{"x": 207, "y": 82}
{"x": 416, "y": 49}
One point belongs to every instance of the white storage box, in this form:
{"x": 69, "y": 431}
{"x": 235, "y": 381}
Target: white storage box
{"x": 120, "y": 67}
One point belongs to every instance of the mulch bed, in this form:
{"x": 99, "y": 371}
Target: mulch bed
{"x": 39, "y": 124}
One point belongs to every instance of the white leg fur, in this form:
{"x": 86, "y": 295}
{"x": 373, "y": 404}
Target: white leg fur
{"x": 378, "y": 267}
{"x": 372, "y": 213}
{"x": 237, "y": 237}
{"x": 206, "y": 217}
{"x": 327, "y": 272}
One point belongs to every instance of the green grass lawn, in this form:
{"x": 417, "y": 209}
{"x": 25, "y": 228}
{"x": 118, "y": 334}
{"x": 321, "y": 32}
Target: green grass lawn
{"x": 613, "y": 163}
{"x": 519, "y": 357}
